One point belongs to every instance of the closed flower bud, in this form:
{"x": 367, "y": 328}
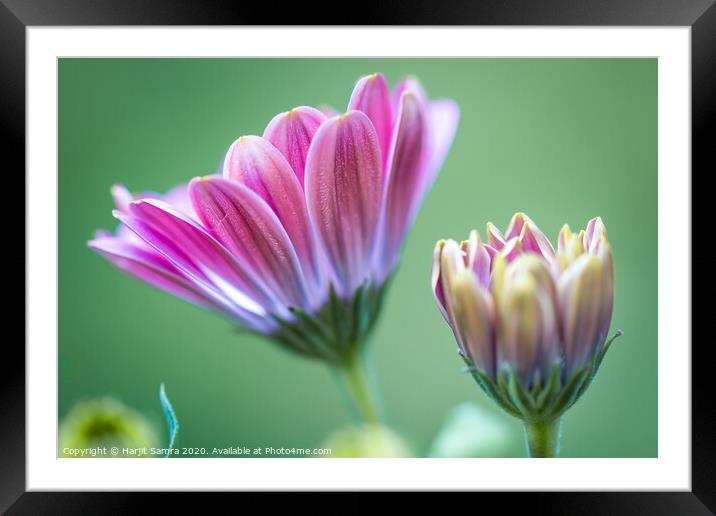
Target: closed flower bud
{"x": 531, "y": 322}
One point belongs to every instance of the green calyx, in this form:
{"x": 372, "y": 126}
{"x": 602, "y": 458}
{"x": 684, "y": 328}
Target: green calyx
{"x": 542, "y": 401}
{"x": 337, "y": 329}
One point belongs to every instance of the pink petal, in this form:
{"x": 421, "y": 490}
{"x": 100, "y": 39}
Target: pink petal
{"x": 411, "y": 84}
{"x": 344, "y": 187}
{"x": 533, "y": 240}
{"x": 291, "y": 133}
{"x": 258, "y": 165}
{"x": 178, "y": 197}
{"x": 512, "y": 249}
{"x": 452, "y": 262}
{"x": 584, "y": 293}
{"x": 596, "y": 231}
{"x": 515, "y": 227}
{"x": 494, "y": 237}
{"x": 149, "y": 266}
{"x": 436, "y": 280}
{"x": 405, "y": 177}
{"x": 122, "y": 197}
{"x": 491, "y": 252}
{"x": 144, "y": 263}
{"x": 478, "y": 260}
{"x": 443, "y": 116}
{"x": 244, "y": 223}
{"x": 475, "y": 317}
{"x": 198, "y": 255}
{"x": 372, "y": 96}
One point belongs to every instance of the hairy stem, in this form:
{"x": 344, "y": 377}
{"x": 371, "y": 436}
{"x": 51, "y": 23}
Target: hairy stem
{"x": 543, "y": 437}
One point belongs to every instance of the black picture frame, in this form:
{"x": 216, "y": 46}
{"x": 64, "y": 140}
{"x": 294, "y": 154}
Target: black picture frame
{"x": 17, "y": 15}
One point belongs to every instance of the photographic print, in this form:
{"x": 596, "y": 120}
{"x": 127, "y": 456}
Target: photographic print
{"x": 357, "y": 257}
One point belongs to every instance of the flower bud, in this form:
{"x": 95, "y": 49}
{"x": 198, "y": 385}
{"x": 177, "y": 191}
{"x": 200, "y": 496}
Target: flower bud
{"x": 531, "y": 321}
{"x": 102, "y": 423}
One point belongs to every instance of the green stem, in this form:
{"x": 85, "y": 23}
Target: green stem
{"x": 355, "y": 376}
{"x": 543, "y": 437}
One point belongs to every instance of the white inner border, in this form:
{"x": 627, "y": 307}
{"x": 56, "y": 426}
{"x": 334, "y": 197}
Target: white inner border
{"x": 671, "y": 471}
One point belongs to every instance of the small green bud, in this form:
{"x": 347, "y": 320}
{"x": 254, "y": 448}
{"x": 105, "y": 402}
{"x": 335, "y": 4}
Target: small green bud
{"x": 105, "y": 423}
{"x": 366, "y": 441}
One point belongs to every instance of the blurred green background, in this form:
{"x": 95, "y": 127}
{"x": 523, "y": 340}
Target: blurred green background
{"x": 561, "y": 139}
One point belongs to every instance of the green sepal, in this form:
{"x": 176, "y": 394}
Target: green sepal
{"x": 521, "y": 398}
{"x": 489, "y": 387}
{"x": 569, "y": 393}
{"x": 551, "y": 388}
{"x": 540, "y": 401}
{"x": 336, "y": 329}
{"x": 596, "y": 363}
{"x": 495, "y": 395}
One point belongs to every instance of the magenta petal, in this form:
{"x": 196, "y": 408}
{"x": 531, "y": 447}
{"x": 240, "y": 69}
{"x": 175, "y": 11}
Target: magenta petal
{"x": 436, "y": 279}
{"x": 491, "y": 252}
{"x": 344, "y": 187}
{"x": 121, "y": 197}
{"x": 405, "y": 179}
{"x": 143, "y": 262}
{"x": 178, "y": 197}
{"x": 148, "y": 265}
{"x": 372, "y": 96}
{"x": 595, "y": 232}
{"x": 258, "y": 165}
{"x": 478, "y": 259}
{"x": 198, "y": 255}
{"x": 245, "y": 224}
{"x": 443, "y": 117}
{"x": 512, "y": 249}
{"x": 534, "y": 241}
{"x": 515, "y": 227}
{"x": 254, "y": 162}
{"x": 291, "y": 133}
{"x": 494, "y": 237}
{"x": 411, "y": 84}
{"x": 529, "y": 242}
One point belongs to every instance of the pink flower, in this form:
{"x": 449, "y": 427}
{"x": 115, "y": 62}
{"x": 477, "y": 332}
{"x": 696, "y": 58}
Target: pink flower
{"x": 306, "y": 219}
{"x": 520, "y": 309}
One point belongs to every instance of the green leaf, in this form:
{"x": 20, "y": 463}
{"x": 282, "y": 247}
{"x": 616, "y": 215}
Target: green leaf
{"x": 170, "y": 416}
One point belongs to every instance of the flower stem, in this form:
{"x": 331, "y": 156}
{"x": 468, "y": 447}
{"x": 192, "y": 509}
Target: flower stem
{"x": 355, "y": 376}
{"x": 543, "y": 437}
